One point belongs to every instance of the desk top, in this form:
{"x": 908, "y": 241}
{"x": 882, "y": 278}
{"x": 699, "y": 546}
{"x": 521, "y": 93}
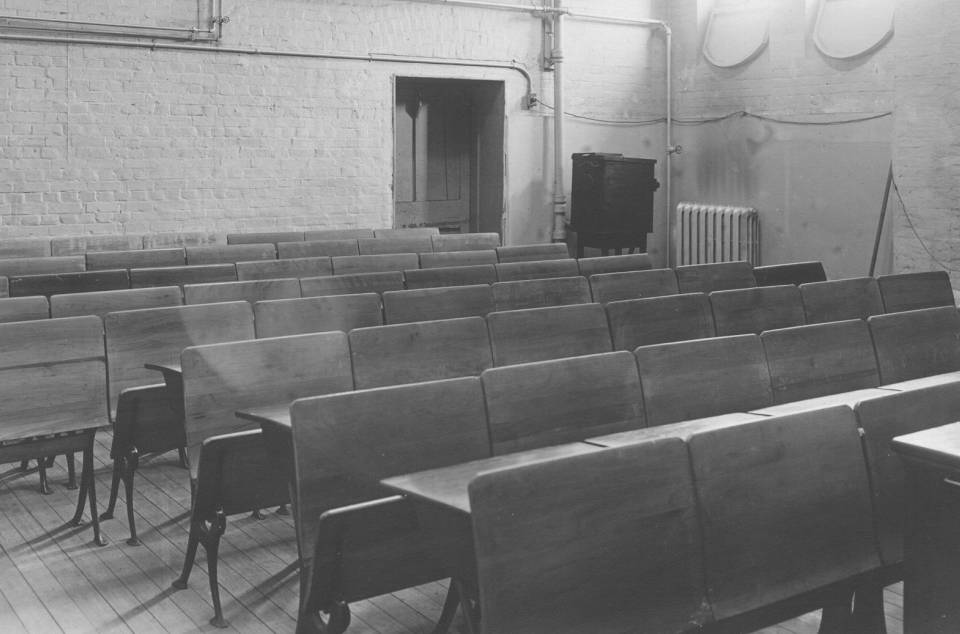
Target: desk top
{"x": 276, "y": 416}
{"x": 166, "y": 368}
{"x": 683, "y": 429}
{"x": 447, "y": 486}
{"x": 843, "y": 398}
{"x": 939, "y": 446}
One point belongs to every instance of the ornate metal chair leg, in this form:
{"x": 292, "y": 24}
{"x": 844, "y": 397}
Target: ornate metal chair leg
{"x": 184, "y": 462}
{"x": 24, "y": 465}
{"x": 257, "y": 514}
{"x": 450, "y": 605}
{"x": 283, "y": 510}
{"x": 114, "y": 488}
{"x": 130, "y": 469}
{"x": 836, "y": 615}
{"x": 71, "y": 471}
{"x": 212, "y": 546}
{"x": 77, "y": 518}
{"x": 470, "y": 615}
{"x": 868, "y": 616}
{"x": 92, "y": 492}
{"x": 196, "y": 528}
{"x": 44, "y": 483}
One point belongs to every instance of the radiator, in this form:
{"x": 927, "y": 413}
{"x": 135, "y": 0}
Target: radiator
{"x": 715, "y": 233}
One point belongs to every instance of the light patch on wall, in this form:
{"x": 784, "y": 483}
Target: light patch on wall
{"x": 849, "y": 28}
{"x": 737, "y": 31}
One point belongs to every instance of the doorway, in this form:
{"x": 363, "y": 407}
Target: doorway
{"x": 448, "y": 154}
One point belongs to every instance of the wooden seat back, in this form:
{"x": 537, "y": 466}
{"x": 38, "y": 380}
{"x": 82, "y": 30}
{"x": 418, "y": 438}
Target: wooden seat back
{"x": 643, "y": 322}
{"x": 538, "y": 334}
{"x": 836, "y": 300}
{"x": 24, "y": 308}
{"x": 795, "y": 273}
{"x": 182, "y": 239}
{"x": 406, "y": 232}
{"x": 250, "y": 291}
{"x": 350, "y": 264}
{"x": 353, "y": 283}
{"x": 420, "y": 351}
{"x": 611, "y": 287}
{"x": 280, "y": 317}
{"x": 542, "y": 566}
{"x": 753, "y": 310}
{"x": 102, "y": 302}
{"x": 79, "y": 245}
{"x": 180, "y": 275}
{"x": 704, "y": 377}
{"x": 820, "y": 359}
{"x": 913, "y": 291}
{"x": 230, "y": 253}
{"x": 220, "y": 379}
{"x": 52, "y": 377}
{"x": 343, "y": 445}
{"x": 54, "y": 283}
{"x": 317, "y": 248}
{"x": 552, "y": 402}
{"x": 291, "y": 267}
{"x": 264, "y": 237}
{"x": 465, "y": 241}
{"x": 24, "y": 248}
{"x": 614, "y": 264}
{"x": 158, "y": 335}
{"x": 555, "y": 291}
{"x": 882, "y": 419}
{"x": 336, "y": 234}
{"x": 137, "y": 259}
{"x": 528, "y": 252}
{"x": 4, "y": 287}
{"x": 916, "y": 343}
{"x": 764, "y": 489}
{"x": 41, "y": 265}
{"x": 450, "y": 276}
{"x": 457, "y": 258}
{"x": 384, "y": 246}
{"x": 449, "y": 302}
{"x": 719, "y": 276}
{"x": 536, "y": 270}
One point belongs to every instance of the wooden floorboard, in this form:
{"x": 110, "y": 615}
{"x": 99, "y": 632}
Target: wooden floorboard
{"x": 52, "y": 577}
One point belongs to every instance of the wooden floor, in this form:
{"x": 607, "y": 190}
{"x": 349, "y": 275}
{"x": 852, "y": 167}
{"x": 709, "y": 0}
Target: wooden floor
{"x": 53, "y": 579}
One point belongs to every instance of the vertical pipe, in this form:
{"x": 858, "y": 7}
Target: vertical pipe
{"x": 559, "y": 199}
{"x": 668, "y": 162}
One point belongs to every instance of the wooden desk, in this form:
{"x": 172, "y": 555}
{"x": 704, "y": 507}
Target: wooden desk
{"x": 931, "y": 601}
{"x": 447, "y": 487}
{"x": 274, "y": 421}
{"x": 173, "y": 377}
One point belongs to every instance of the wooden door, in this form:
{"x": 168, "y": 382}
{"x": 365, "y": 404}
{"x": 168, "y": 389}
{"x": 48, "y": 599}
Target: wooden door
{"x": 432, "y": 169}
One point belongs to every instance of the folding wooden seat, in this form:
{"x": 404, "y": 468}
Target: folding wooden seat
{"x": 38, "y": 266}
{"x": 719, "y": 276}
{"x": 350, "y": 264}
{"x": 251, "y": 291}
{"x": 542, "y": 568}
{"x": 230, "y": 254}
{"x": 836, "y": 300}
{"x": 54, "y": 283}
{"x": 917, "y": 343}
{"x": 764, "y": 490}
{"x": 795, "y": 273}
{"x": 317, "y": 248}
{"x": 642, "y": 322}
{"x": 384, "y": 246}
{"x": 557, "y": 291}
{"x": 137, "y": 259}
{"x": 102, "y": 302}
{"x": 465, "y": 241}
{"x": 535, "y": 270}
{"x": 337, "y": 234}
{"x": 821, "y": 359}
{"x": 753, "y": 310}
{"x": 614, "y": 264}
{"x": 78, "y": 245}
{"x": 181, "y": 275}
{"x": 24, "y": 308}
{"x": 420, "y": 351}
{"x": 527, "y": 252}
{"x": 561, "y": 400}
{"x": 406, "y": 232}
{"x": 263, "y": 237}
{"x": 912, "y": 291}
{"x": 450, "y": 276}
{"x": 292, "y": 268}
{"x": 279, "y": 317}
{"x": 538, "y": 334}
{"x": 611, "y": 287}
{"x": 704, "y": 377}
{"x": 457, "y": 258}
{"x": 182, "y": 239}
{"x": 353, "y": 283}
{"x": 24, "y": 248}
{"x": 437, "y": 303}
{"x": 356, "y": 538}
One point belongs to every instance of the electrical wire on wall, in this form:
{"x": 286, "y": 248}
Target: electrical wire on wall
{"x": 913, "y": 229}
